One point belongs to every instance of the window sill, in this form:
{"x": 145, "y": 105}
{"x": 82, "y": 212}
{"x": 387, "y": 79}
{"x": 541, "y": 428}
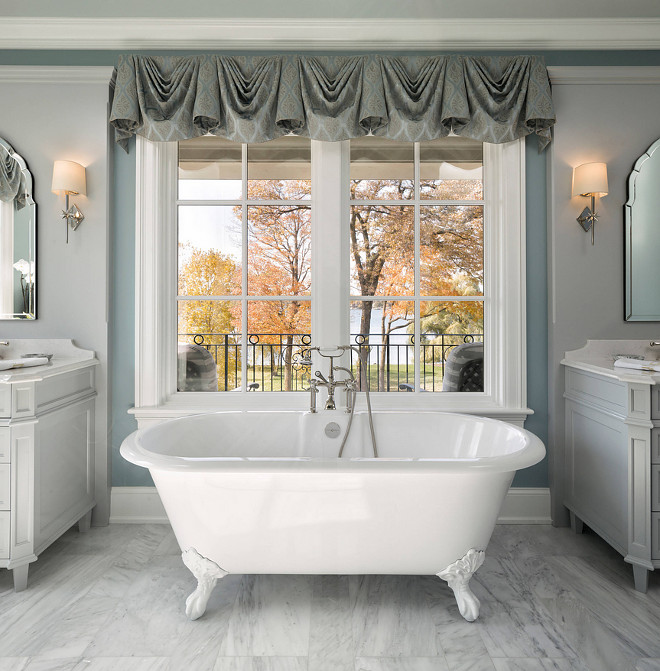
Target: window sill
{"x": 181, "y": 405}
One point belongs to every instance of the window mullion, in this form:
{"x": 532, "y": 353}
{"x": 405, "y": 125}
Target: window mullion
{"x": 417, "y": 305}
{"x": 330, "y": 243}
{"x": 244, "y": 270}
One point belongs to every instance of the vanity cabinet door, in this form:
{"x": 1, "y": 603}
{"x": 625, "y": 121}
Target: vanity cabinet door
{"x": 4, "y": 534}
{"x": 655, "y": 488}
{"x": 5, "y": 479}
{"x": 5, "y": 449}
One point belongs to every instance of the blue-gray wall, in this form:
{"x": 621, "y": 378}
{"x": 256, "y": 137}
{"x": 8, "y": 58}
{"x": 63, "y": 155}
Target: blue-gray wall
{"x": 122, "y": 221}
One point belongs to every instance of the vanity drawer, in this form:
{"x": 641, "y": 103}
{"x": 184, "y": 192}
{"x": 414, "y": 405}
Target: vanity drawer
{"x": 655, "y": 488}
{"x": 5, "y": 449}
{"x": 4, "y": 486}
{"x": 4, "y": 534}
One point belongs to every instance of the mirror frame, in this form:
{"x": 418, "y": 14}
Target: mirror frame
{"x": 30, "y": 203}
{"x": 629, "y": 298}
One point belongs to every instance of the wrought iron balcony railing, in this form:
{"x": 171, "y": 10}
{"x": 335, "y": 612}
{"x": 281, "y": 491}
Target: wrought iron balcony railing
{"x": 273, "y": 359}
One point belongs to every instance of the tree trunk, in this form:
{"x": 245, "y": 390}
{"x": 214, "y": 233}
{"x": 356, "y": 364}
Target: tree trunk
{"x": 365, "y": 327}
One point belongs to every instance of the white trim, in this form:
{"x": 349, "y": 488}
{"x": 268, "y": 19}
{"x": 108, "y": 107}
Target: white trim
{"x": 142, "y": 505}
{"x": 526, "y": 505}
{"x": 155, "y": 323}
{"x": 292, "y": 34}
{"x": 635, "y": 74}
{"x": 47, "y": 74}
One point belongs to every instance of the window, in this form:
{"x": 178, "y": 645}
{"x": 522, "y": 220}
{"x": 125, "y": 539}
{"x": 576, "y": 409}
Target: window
{"x": 441, "y": 223}
{"x": 244, "y": 275}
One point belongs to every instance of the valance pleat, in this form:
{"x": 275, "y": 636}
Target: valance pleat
{"x": 259, "y": 98}
{"x": 12, "y": 180}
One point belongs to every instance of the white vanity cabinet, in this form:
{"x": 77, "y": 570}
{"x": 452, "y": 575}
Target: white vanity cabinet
{"x": 46, "y": 450}
{"x": 612, "y": 450}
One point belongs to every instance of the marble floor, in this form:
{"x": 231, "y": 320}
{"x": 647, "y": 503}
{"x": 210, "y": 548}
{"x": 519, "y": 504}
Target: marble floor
{"x": 112, "y": 600}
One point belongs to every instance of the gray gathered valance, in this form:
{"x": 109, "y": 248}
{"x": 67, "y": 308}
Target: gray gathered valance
{"x": 12, "y": 180}
{"x": 259, "y": 98}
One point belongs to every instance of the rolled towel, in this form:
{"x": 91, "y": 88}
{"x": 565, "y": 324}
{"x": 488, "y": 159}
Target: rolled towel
{"x": 638, "y": 364}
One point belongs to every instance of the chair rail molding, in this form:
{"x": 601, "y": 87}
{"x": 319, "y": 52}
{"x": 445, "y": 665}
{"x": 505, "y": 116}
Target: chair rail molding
{"x": 329, "y": 34}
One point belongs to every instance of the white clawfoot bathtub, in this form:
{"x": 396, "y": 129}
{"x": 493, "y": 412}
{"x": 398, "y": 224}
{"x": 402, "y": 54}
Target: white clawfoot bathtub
{"x": 264, "y": 492}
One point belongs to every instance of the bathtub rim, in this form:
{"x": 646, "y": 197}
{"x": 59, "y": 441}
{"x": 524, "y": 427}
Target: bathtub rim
{"x": 532, "y": 453}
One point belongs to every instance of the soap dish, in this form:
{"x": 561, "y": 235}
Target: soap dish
{"x": 37, "y": 356}
{"x": 616, "y": 356}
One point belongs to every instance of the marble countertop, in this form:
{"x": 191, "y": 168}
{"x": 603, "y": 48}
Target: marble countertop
{"x": 66, "y": 357}
{"x": 597, "y": 356}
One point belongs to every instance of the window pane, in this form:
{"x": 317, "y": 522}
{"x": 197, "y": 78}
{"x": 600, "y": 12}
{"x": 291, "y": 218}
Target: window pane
{"x": 278, "y": 334}
{"x": 209, "y": 250}
{"x": 209, "y": 169}
{"x": 279, "y": 250}
{"x": 381, "y": 169}
{"x": 382, "y": 250}
{"x": 209, "y": 340}
{"x": 451, "y": 347}
{"x": 280, "y": 169}
{"x": 383, "y": 332}
{"x": 452, "y": 250}
{"x": 451, "y": 169}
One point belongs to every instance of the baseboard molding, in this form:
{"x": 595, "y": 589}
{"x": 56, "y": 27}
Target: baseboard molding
{"x": 142, "y": 505}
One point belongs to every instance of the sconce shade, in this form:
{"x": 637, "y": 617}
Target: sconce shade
{"x": 69, "y": 176}
{"x": 590, "y": 179}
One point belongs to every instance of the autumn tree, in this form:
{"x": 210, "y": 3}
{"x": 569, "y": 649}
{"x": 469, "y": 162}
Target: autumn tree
{"x": 451, "y": 260}
{"x": 208, "y": 273}
{"x": 279, "y": 251}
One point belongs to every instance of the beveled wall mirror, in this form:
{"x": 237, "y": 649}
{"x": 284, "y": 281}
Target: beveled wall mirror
{"x": 18, "y": 227}
{"x": 642, "y": 244}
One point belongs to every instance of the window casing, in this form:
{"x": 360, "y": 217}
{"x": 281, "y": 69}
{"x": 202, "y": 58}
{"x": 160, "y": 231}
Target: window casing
{"x": 504, "y": 393}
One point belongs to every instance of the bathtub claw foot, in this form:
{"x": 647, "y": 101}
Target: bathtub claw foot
{"x": 457, "y": 576}
{"x": 207, "y": 573}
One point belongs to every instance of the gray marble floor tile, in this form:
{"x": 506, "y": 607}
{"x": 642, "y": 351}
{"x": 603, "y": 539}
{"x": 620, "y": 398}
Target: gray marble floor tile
{"x": 125, "y": 664}
{"x": 263, "y": 664}
{"x": 331, "y": 644}
{"x": 457, "y": 637}
{"x": 646, "y": 665}
{"x": 151, "y": 622}
{"x": 630, "y": 616}
{"x": 520, "y": 540}
{"x": 271, "y": 617}
{"x": 464, "y": 663}
{"x": 532, "y": 664}
{"x": 520, "y": 632}
{"x": 399, "y": 664}
{"x": 598, "y": 649}
{"x": 391, "y": 618}
{"x": 41, "y": 664}
{"x": 13, "y": 663}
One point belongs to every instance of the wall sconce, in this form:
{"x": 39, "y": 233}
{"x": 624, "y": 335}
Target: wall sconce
{"x": 590, "y": 179}
{"x": 69, "y": 178}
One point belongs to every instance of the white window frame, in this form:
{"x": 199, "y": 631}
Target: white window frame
{"x": 156, "y": 398}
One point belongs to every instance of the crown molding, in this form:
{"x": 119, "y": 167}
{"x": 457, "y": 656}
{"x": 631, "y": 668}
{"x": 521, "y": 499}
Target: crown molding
{"x": 46, "y": 74}
{"x": 329, "y": 34}
{"x": 604, "y": 75}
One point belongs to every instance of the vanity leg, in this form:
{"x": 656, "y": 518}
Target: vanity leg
{"x": 577, "y": 525}
{"x": 20, "y": 577}
{"x": 85, "y": 522}
{"x": 641, "y": 576}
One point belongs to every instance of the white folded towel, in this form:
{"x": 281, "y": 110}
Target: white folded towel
{"x": 638, "y": 364}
